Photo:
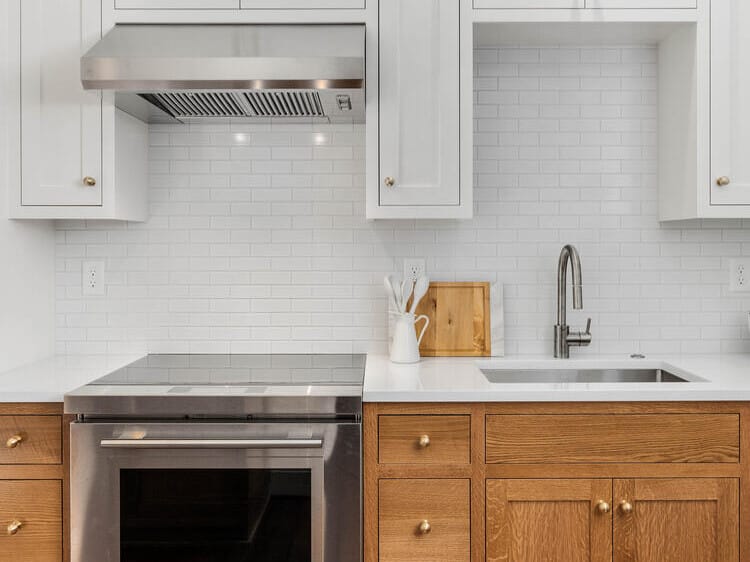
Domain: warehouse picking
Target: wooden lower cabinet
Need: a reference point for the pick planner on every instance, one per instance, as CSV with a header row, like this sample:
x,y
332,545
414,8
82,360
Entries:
x,y
424,519
557,482
529,519
676,520
31,515
34,502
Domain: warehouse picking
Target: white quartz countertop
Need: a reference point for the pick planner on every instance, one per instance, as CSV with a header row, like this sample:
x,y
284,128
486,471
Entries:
x,y
49,379
447,379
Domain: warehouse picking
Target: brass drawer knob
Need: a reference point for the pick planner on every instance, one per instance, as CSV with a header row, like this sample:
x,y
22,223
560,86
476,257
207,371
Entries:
x,y
389,181
603,507
14,526
723,181
88,181
14,441
424,527
424,441
626,506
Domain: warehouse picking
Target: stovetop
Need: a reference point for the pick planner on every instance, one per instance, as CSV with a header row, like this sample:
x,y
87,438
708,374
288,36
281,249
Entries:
x,y
192,385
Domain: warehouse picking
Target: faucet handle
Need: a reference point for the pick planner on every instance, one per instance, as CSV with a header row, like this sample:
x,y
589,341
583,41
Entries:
x,y
588,327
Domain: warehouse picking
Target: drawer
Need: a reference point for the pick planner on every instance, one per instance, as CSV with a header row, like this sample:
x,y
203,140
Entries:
x,y
424,439
641,4
37,506
424,519
30,440
613,438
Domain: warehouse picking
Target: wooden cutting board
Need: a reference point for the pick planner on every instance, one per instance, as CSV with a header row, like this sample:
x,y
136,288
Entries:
x,y
459,314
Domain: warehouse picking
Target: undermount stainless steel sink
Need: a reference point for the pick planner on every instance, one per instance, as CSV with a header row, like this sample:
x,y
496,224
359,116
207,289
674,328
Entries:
x,y
531,376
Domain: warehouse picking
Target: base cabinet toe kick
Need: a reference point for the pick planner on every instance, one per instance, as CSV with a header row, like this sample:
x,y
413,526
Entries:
x,y
512,482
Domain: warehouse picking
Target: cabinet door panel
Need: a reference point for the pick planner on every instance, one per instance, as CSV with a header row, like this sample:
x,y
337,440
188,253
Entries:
x,y
528,520
527,4
61,124
176,4
419,102
405,503
302,4
37,506
677,520
642,4
730,102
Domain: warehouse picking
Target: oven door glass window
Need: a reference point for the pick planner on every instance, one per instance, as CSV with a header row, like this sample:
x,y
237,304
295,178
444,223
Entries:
x,y
216,515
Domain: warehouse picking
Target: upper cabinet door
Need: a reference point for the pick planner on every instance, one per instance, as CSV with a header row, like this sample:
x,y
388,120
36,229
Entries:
x,y
419,102
303,4
527,4
61,124
730,103
676,519
642,4
177,4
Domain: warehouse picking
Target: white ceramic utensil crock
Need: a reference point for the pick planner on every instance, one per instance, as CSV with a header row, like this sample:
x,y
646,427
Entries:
x,y
405,345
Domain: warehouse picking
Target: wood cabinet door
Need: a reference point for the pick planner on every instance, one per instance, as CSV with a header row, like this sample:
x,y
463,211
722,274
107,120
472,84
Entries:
x,y
31,520
424,519
546,520
730,103
61,124
676,520
420,102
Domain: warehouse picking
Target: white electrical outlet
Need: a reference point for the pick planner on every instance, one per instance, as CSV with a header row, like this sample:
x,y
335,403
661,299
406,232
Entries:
x,y
739,275
413,268
92,278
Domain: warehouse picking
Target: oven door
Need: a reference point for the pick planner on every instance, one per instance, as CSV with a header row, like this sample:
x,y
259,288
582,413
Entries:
x,y
215,492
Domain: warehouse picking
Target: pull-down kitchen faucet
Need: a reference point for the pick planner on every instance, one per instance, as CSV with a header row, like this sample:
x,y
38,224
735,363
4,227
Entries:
x,y
564,338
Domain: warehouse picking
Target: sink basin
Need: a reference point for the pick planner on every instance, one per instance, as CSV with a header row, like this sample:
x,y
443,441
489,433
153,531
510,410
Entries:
x,y
531,376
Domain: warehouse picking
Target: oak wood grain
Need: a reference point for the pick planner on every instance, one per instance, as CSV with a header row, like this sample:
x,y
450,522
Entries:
x,y
405,503
449,439
613,438
677,520
459,314
42,439
37,505
543,520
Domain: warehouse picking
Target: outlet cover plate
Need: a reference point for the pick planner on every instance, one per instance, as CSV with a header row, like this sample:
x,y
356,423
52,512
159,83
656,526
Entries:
x,y
413,268
739,275
92,278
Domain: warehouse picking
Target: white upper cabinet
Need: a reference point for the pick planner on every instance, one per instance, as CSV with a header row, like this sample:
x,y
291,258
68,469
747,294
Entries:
x,y
527,4
730,103
641,4
303,4
177,4
61,124
420,104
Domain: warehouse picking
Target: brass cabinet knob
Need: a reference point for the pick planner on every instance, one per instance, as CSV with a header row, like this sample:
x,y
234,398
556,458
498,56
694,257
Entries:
x,y
14,441
14,526
424,441
626,506
603,507
424,527
723,181
389,181
89,181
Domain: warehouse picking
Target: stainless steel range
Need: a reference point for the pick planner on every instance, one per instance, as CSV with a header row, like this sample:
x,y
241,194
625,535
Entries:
x,y
219,458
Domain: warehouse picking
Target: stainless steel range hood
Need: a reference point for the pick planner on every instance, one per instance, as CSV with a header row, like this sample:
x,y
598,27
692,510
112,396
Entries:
x,y
167,73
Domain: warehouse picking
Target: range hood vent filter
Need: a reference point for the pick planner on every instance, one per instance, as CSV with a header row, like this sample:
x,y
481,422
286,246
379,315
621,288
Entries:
x,y
199,105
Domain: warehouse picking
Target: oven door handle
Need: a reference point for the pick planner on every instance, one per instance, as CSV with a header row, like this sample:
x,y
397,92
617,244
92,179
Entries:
x,y
211,443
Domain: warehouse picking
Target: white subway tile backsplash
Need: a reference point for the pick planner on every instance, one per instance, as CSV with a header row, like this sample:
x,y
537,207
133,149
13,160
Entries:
x,y
257,240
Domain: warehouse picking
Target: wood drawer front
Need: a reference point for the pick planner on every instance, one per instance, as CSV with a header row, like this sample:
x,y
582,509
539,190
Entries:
x,y
613,438
37,505
405,503
399,439
41,439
